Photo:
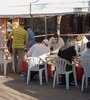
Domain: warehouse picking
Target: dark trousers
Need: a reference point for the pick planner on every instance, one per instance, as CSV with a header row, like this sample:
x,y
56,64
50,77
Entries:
x,y
63,79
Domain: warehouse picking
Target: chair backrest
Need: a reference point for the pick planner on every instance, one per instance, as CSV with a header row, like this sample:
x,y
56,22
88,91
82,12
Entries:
x,y
34,62
61,64
86,66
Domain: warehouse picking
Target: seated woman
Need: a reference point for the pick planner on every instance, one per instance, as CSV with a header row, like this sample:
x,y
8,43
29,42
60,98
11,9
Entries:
x,y
67,52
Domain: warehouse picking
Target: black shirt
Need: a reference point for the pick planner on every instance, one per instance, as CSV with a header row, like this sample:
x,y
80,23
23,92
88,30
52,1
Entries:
x,y
67,53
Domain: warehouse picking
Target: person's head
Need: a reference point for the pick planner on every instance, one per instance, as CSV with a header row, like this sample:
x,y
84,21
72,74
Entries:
x,y
79,38
38,40
27,26
21,24
70,42
88,45
46,42
55,35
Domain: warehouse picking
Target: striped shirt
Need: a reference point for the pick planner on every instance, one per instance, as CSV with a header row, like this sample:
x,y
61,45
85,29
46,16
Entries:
x,y
19,36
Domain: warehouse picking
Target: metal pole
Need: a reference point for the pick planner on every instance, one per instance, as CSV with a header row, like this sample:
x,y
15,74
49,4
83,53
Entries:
x,y
30,8
45,19
31,5
31,13
58,24
31,17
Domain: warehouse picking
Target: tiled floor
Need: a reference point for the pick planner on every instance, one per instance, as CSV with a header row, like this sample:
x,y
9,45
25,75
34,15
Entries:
x,y
13,87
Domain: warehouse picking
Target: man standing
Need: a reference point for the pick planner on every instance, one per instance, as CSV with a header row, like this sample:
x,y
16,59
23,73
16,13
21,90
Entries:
x,y
20,36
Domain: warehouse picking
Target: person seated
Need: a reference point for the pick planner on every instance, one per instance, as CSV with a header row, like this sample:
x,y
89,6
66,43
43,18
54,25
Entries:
x,y
81,42
85,55
56,42
37,50
72,42
86,52
67,52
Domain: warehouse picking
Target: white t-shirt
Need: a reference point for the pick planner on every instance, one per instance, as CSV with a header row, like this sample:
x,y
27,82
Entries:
x,y
85,55
82,43
56,45
37,50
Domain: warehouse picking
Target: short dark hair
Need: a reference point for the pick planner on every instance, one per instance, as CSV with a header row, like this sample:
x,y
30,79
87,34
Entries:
x,y
27,26
21,23
88,44
55,35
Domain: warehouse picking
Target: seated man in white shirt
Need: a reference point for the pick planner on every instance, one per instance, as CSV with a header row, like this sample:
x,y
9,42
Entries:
x,y
81,42
37,50
56,42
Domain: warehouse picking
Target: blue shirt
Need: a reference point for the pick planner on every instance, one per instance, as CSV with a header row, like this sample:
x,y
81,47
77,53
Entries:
x,y
31,37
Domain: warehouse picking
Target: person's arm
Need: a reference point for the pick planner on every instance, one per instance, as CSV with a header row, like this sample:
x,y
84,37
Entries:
x,y
74,52
59,53
61,42
51,42
30,51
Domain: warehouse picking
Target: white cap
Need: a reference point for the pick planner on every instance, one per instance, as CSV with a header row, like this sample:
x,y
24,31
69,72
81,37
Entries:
x,y
45,41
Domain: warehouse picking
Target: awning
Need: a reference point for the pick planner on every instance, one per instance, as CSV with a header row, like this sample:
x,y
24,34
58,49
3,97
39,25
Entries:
x,y
23,8
60,7
15,8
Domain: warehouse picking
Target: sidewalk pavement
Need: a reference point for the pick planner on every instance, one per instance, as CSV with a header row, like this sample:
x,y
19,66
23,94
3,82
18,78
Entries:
x,y
13,87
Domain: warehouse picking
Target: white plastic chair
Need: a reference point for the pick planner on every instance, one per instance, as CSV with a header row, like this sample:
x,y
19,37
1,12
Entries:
x,y
34,65
60,65
86,66
4,62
